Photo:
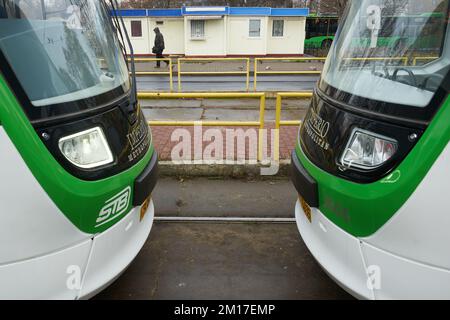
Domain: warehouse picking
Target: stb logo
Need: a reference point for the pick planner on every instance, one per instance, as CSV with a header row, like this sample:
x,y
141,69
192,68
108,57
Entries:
x,y
114,207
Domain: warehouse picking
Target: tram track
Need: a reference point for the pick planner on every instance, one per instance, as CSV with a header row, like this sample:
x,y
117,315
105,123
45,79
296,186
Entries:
x,y
242,220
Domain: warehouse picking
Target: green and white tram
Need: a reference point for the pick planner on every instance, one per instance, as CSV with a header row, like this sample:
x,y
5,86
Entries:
x,y
77,165
372,166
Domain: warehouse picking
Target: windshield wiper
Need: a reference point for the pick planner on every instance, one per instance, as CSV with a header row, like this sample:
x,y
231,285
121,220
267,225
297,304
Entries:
x,y
118,31
118,22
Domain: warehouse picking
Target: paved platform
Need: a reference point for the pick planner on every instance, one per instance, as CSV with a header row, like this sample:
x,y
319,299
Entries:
x,y
222,110
164,144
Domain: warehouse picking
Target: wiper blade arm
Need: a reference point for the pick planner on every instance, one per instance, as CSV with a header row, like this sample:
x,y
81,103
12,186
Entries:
x,y
119,21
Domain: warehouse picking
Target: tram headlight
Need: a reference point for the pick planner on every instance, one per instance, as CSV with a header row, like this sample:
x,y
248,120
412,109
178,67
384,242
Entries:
x,y
368,150
87,149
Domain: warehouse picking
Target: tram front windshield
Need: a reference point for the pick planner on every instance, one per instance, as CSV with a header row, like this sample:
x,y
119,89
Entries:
x,y
62,50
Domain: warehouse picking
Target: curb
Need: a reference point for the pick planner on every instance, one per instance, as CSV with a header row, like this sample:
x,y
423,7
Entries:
x,y
169,169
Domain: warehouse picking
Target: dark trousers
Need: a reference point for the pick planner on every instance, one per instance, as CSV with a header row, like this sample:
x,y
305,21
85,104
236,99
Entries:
x,y
159,55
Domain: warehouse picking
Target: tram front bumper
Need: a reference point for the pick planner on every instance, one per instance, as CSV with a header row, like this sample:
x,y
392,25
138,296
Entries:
x,y
84,269
337,252
113,250
363,270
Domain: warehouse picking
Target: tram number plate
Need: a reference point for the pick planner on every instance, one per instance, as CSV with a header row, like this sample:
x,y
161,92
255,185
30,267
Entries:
x,y
306,209
144,208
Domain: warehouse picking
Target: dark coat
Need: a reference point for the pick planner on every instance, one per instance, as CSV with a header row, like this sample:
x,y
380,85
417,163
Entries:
x,y
159,41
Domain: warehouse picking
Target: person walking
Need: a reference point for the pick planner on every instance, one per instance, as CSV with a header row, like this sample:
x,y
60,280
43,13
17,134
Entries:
x,y
159,47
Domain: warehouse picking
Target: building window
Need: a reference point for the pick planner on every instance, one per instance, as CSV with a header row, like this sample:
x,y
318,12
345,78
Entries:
x,y
197,29
278,28
255,28
136,28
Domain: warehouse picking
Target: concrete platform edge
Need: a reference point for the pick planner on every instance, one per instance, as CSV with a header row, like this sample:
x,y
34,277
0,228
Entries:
x,y
170,169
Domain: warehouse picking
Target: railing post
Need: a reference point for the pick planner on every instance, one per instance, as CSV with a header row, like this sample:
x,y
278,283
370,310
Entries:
x,y
179,74
171,74
262,116
277,127
248,74
255,75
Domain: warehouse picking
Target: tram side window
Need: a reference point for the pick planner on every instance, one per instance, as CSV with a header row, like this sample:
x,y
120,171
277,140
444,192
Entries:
x,y
334,24
48,10
388,27
4,11
312,28
318,27
432,33
30,10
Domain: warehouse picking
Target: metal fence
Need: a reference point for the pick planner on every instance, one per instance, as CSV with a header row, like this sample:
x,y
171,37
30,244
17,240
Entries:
x,y
286,66
211,95
159,71
206,66
230,67
424,60
261,67
279,122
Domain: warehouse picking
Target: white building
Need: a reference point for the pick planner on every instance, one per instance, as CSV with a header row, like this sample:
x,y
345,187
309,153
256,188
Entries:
x,y
219,31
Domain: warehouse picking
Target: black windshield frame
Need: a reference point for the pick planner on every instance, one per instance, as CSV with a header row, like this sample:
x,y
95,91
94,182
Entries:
x,y
390,112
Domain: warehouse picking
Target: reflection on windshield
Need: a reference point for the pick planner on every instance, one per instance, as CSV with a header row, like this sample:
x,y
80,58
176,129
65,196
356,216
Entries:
x,y
61,50
391,51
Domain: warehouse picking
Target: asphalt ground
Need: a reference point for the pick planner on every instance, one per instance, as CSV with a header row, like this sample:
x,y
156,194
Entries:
x,y
265,83
185,260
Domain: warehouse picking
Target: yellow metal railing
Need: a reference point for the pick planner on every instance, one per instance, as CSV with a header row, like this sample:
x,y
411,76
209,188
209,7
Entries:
x,y
245,72
231,95
258,72
279,122
423,59
157,71
405,60
210,95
